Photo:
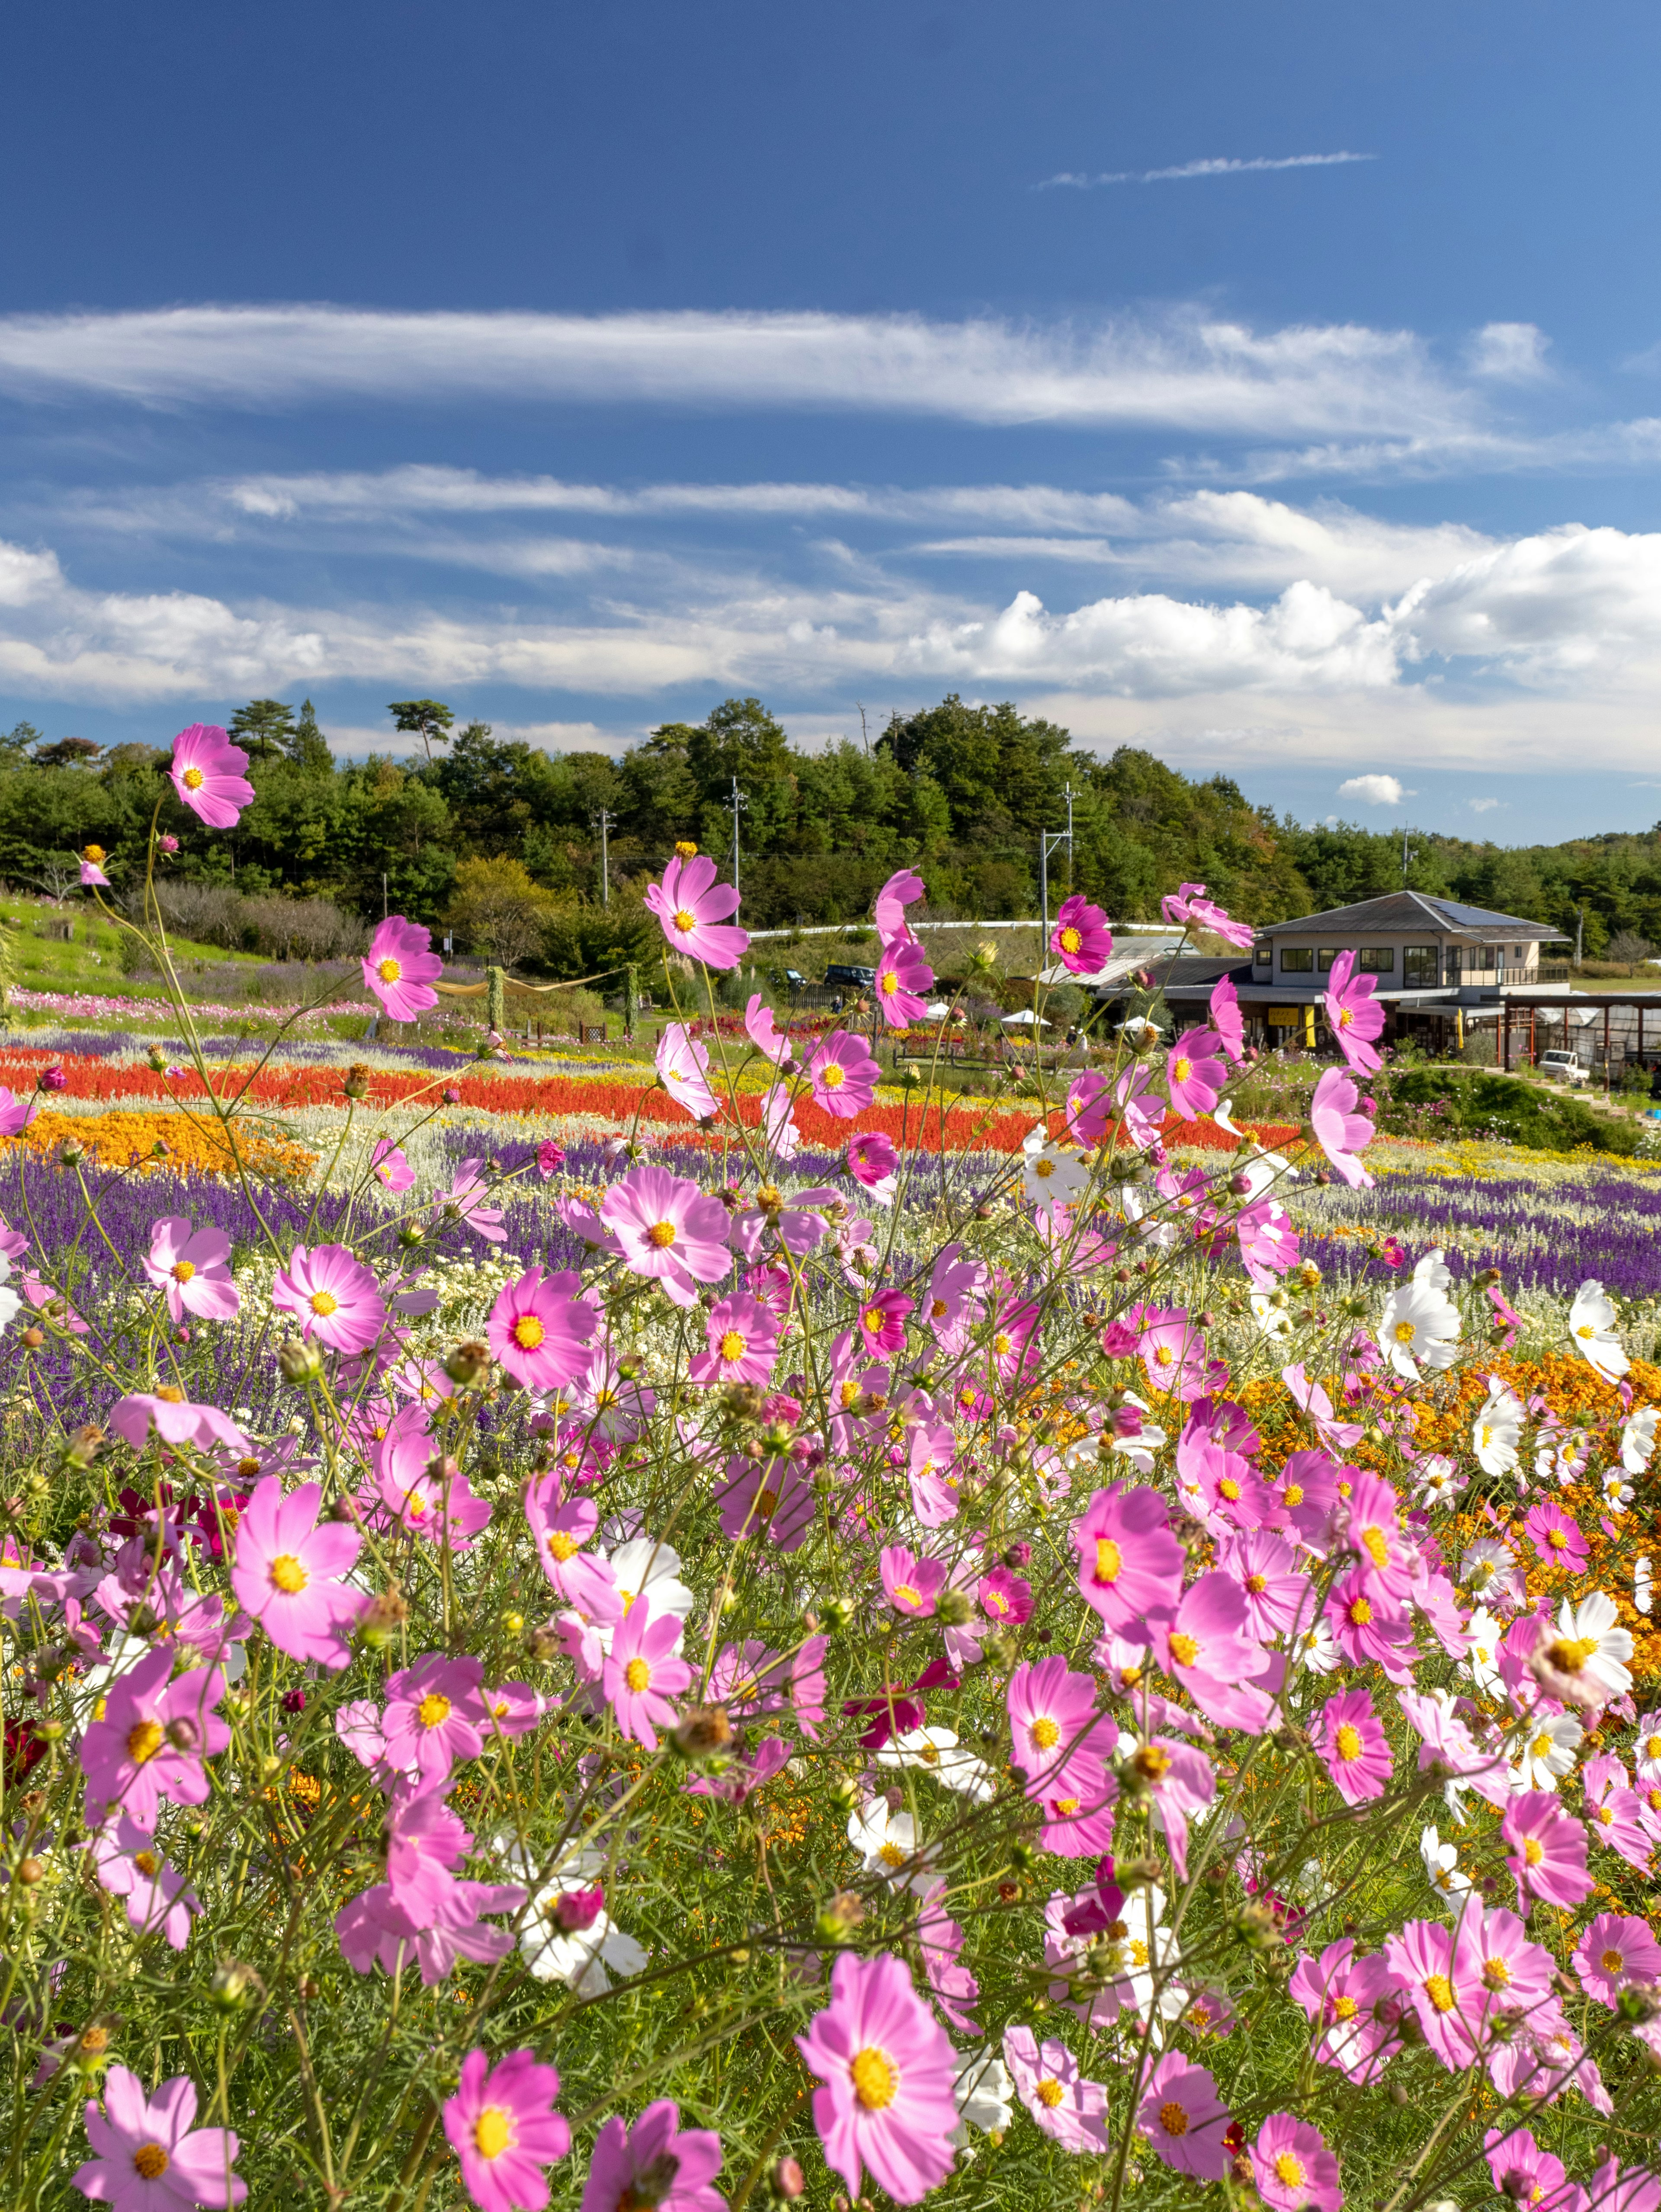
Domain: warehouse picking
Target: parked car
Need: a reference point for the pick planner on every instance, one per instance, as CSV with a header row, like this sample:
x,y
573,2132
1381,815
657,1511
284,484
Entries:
x,y
787,979
841,976
1562,1066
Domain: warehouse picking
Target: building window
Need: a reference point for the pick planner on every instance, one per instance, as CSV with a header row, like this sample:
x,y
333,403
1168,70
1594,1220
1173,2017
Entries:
x,y
1297,960
1328,954
1488,951
1377,960
1452,965
1262,952
1418,966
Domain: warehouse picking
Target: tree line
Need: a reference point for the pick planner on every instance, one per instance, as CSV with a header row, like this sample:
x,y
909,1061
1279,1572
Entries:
x,y
456,827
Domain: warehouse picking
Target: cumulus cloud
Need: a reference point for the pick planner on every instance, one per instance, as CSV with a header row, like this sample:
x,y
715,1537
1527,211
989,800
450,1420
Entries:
x,y
1511,352
1559,603
1374,790
1484,805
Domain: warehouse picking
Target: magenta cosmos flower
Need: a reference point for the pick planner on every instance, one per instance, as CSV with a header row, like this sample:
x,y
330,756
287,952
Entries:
x,y
207,774
1081,939
641,1670
1354,1747
401,967
156,1895
148,2156
390,1167
1340,1131
1057,1741
288,1572
1292,2167
1616,1949
912,1585
334,1296
92,869
1193,1074
902,888
1183,2119
15,1114
1422,1959
903,980
1226,1019
844,1075
539,1329
1130,1566
152,1740
1353,1015
764,1033
1546,1850
1071,2111
692,907
503,2127
887,2070
882,1321
189,1267
1189,904
656,2162
434,1715
668,1229
872,1159
1556,1538
743,1340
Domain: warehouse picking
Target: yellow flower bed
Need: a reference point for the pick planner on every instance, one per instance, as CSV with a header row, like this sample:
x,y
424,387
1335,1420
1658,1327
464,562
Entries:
x,y
127,1138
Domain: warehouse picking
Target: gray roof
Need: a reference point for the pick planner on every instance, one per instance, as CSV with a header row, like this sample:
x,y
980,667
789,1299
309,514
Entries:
x,y
1398,910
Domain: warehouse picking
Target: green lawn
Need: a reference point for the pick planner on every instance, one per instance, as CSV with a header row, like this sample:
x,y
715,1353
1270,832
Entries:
x,y
91,960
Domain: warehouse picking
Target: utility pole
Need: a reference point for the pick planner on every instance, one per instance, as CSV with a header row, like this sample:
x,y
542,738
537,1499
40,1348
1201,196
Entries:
x,y
1069,840
383,895
1048,840
605,858
738,801
1579,932
1407,854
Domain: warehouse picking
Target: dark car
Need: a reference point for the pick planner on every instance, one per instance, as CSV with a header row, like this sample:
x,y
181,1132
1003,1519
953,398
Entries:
x,y
787,979
839,977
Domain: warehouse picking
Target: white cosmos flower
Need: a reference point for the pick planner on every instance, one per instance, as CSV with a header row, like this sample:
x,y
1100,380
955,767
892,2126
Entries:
x,y
1646,1748
1592,1328
1497,1430
1481,1663
938,1750
1638,1439
1316,1649
1487,1565
1591,1644
1053,1175
1420,1325
1442,1868
645,1569
1643,1594
579,1957
983,2093
1615,1489
1438,1479
1274,1320
1547,1752
889,1845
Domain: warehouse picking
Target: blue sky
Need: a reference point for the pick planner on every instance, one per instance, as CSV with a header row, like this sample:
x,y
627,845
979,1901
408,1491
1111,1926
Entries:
x,y
582,366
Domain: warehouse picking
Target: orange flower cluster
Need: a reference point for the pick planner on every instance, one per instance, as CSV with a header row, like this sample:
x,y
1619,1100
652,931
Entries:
x,y
126,1139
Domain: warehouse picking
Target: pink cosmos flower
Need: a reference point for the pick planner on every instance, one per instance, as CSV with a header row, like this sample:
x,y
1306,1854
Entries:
x,y
692,909
1525,2174
1353,1015
550,1158
1081,939
1616,1949
642,1672
1056,1733
422,1486
764,1032
156,1895
175,1420
779,1124
1172,1348
434,1715
902,890
1183,2119
669,1230
1354,1747
401,967
743,1343
424,1840
1269,1242
844,1075
1130,1566
1615,1812
1193,1074
1088,1109
1421,1957
540,1329
188,1266
15,1114
1181,1780
1005,1598
1546,1850
1292,2167
1206,1645
152,1740
912,1585
903,978
1497,1973
1353,2002
1070,2111
1189,904
1555,1538
92,871
886,2071
288,1572
372,1927
1226,1019
388,1165
467,1201
147,2155
334,1296
1366,1625
1142,1110
502,2126
771,1497
873,1161
1340,1131
207,774
882,1321
654,2163
683,1066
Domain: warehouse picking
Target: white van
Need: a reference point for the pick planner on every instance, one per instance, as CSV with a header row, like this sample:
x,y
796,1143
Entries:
x,y
1562,1066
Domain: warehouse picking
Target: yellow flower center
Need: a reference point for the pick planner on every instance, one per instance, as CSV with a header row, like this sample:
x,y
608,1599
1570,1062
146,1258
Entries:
x,y
1164,1356
683,921
638,1675
1185,1648
1048,2093
1294,1493
147,1863
1153,1762
1046,1733
875,2077
1557,1540
1541,1748
144,1740
1230,1489
182,1270
1373,1544
529,1332
888,984
1533,1850
389,971
1439,1990
493,2132
906,1592
661,1234
1256,1584
1405,1332
1173,2119
323,1303
1344,1021
562,1544
873,1318
1183,1070
1343,2008
1571,1654
434,1708
733,1346
1496,1973
193,780
1288,2170
1612,1962
1110,1561
170,1393
1586,1332
287,1575
95,854
1359,1613
1071,940
1348,1742
891,1855
833,1075
149,2160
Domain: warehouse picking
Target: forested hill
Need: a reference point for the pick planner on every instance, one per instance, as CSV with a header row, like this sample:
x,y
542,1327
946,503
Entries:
x,y
959,791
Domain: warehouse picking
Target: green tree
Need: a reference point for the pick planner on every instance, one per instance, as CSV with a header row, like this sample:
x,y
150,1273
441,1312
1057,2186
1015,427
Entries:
x,y
307,747
264,728
429,720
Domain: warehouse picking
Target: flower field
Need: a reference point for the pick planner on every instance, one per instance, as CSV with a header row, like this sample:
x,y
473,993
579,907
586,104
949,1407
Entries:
x,y
743,1640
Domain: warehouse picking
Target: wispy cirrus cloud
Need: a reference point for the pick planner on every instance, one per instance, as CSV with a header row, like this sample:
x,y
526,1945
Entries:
x,y
1214,166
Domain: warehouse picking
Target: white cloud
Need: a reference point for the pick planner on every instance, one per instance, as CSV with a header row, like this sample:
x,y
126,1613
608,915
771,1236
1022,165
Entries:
x,y
1214,166
1511,352
1485,806
1374,790
1184,371
1572,602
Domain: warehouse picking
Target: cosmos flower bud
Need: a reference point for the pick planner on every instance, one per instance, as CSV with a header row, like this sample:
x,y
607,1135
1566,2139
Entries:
x,y
231,1985
576,1910
703,1732
838,1917
51,1079
299,1360
954,1607
468,1363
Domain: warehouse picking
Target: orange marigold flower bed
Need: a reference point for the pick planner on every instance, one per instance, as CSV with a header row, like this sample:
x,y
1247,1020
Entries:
x,y
123,1139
